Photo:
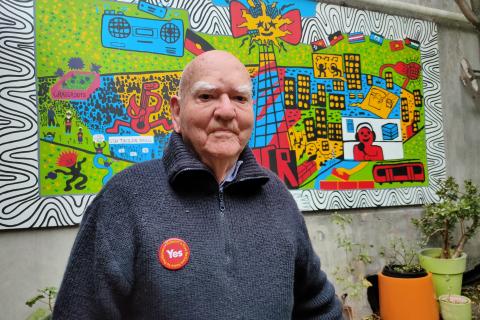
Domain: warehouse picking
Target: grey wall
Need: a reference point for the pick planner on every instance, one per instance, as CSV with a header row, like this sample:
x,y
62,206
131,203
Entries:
x,y
35,259
30,260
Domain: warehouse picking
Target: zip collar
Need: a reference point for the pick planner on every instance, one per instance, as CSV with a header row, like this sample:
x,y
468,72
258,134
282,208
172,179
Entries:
x,y
186,172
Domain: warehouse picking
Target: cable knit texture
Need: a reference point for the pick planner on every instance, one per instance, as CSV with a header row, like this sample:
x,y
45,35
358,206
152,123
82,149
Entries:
x,y
251,257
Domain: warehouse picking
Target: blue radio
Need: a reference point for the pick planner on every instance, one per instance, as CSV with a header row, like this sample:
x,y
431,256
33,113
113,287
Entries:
x,y
139,34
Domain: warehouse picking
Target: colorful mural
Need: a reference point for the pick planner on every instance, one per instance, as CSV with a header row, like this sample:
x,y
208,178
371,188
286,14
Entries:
x,y
340,103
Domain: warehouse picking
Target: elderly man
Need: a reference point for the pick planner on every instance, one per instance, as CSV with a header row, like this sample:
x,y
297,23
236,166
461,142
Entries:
x,y
204,233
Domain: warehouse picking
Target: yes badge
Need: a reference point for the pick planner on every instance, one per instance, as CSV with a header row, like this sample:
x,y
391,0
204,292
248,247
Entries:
x,y
174,254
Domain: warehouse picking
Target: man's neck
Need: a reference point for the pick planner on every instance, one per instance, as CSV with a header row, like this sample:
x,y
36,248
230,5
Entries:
x,y
220,167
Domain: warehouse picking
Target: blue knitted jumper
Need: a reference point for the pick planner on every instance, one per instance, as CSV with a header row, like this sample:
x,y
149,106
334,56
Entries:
x,y
250,254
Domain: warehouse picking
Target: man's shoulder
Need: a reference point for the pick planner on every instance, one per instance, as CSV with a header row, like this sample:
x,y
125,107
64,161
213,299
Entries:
x,y
142,173
130,185
275,181
277,192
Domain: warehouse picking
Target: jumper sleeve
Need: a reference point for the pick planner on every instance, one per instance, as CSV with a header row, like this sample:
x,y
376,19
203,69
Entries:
x,y
314,294
99,274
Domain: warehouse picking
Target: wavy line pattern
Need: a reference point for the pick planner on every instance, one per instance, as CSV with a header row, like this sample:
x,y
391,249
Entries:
x,y
20,203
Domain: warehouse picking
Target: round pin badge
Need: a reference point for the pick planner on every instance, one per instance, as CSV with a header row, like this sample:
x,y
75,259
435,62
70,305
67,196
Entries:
x,y
174,254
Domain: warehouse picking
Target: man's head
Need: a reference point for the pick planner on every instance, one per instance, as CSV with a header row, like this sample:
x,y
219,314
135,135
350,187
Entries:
x,y
213,111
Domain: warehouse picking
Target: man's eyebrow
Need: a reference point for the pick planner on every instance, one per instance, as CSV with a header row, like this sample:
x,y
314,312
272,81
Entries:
x,y
206,86
203,85
244,89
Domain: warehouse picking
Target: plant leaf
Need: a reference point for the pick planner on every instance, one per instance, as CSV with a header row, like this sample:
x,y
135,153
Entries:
x,y
34,300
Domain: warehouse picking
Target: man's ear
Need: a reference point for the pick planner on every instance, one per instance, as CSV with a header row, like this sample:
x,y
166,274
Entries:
x,y
175,111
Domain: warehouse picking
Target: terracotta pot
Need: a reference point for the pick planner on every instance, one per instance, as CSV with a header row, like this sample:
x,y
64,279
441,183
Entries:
x,y
407,298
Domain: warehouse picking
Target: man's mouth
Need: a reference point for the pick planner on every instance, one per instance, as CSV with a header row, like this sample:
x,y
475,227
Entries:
x,y
223,130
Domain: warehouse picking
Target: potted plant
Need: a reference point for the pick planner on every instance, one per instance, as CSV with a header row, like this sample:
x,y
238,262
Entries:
x,y
457,210
405,288
46,296
455,307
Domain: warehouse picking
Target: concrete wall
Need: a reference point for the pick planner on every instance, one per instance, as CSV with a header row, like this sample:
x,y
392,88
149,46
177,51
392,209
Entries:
x,y
36,259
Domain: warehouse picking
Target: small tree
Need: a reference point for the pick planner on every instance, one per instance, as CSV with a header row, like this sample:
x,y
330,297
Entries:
x,y
471,11
401,256
456,209
351,276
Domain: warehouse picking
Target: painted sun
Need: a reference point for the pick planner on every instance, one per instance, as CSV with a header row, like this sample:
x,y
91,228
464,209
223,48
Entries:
x,y
268,28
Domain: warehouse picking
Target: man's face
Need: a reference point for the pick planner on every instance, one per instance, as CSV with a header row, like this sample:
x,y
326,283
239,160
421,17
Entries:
x,y
214,114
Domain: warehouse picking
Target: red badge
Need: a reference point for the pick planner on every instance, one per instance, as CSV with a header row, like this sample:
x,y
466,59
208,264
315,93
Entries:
x,y
174,253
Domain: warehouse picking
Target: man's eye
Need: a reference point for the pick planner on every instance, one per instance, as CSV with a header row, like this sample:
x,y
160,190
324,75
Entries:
x,y
205,96
241,98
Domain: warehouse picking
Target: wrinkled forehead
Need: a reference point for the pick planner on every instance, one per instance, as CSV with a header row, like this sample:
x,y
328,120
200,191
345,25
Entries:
x,y
215,69
227,67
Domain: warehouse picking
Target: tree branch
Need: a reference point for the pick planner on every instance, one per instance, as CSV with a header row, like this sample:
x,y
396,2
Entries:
x,y
468,13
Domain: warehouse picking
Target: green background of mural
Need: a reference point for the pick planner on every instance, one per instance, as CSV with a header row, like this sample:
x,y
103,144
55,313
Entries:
x,y
73,29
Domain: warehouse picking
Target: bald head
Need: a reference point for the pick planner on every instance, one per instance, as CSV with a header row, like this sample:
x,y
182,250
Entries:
x,y
205,62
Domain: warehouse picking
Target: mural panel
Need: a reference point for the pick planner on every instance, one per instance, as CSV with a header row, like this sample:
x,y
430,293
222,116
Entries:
x,y
346,101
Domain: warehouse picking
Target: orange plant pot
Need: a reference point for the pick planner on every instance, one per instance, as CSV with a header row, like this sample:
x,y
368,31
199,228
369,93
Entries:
x,y
407,298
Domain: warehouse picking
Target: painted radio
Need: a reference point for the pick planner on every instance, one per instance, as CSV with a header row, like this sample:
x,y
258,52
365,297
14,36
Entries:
x,y
140,34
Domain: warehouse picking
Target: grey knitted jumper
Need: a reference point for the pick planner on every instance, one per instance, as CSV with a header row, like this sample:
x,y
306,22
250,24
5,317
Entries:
x,y
250,254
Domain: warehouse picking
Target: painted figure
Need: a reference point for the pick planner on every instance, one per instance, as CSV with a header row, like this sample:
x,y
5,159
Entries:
x,y
68,121
101,161
335,70
51,117
99,146
322,68
68,160
80,135
140,114
365,150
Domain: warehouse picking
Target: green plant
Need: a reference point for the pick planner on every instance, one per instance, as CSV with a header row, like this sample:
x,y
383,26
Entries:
x,y
45,296
351,276
456,209
401,256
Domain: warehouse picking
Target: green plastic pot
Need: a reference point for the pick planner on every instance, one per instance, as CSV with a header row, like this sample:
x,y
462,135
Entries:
x,y
455,307
446,273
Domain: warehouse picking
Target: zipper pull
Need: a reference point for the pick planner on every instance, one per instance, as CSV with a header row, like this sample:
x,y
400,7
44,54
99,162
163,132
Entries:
x,y
222,202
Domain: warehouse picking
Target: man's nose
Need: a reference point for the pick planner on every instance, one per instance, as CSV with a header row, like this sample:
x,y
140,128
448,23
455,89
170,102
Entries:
x,y
225,108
